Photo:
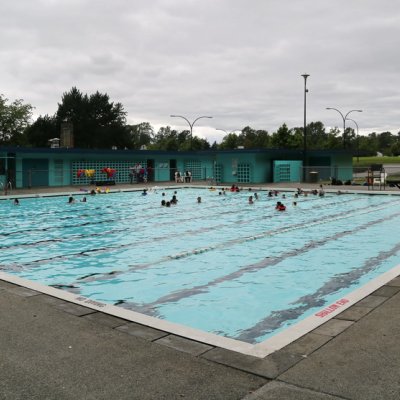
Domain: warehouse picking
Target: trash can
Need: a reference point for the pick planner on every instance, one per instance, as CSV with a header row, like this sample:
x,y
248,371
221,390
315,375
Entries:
x,y
313,176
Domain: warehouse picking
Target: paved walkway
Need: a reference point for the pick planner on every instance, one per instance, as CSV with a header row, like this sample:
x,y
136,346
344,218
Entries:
x,y
52,349
289,185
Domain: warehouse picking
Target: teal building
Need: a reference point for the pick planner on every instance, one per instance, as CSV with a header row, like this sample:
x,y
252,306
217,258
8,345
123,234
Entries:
x,y
46,167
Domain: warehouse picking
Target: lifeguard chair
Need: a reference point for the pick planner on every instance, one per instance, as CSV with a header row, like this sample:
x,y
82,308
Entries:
x,y
376,176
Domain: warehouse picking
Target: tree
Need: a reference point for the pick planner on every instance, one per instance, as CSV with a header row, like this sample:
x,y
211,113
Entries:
x,y
97,122
14,118
247,137
297,138
262,139
165,139
316,136
395,149
200,144
385,142
230,141
141,135
333,139
41,131
282,138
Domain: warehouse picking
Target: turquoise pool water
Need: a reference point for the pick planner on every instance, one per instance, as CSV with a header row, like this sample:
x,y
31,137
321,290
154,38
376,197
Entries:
x,y
222,266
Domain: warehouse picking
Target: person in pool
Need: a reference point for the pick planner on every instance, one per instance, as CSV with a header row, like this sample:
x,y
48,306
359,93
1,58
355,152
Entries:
x,y
174,200
280,206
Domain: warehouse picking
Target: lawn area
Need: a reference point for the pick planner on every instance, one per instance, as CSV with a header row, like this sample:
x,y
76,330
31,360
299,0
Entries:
x,y
367,161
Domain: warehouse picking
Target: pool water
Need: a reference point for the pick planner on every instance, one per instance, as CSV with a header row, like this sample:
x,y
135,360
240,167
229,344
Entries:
x,y
222,266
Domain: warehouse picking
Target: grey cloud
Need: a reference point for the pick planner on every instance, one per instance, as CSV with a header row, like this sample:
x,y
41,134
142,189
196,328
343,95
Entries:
x,y
236,60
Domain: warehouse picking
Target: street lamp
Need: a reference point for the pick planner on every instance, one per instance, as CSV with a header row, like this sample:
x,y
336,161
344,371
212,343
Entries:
x,y
305,76
358,140
191,126
344,117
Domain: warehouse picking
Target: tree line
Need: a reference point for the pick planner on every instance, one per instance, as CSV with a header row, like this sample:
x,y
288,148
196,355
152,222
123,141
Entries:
x,y
99,123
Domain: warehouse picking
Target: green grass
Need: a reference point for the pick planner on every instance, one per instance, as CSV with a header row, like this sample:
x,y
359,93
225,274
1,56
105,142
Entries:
x,y
367,161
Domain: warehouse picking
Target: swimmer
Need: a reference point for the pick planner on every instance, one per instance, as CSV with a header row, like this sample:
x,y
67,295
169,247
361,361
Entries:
x,y
16,202
163,203
256,196
251,200
199,200
167,204
71,200
174,200
294,203
83,199
280,206
144,193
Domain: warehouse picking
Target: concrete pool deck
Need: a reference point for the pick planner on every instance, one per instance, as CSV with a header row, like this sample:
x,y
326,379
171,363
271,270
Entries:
x,y
52,349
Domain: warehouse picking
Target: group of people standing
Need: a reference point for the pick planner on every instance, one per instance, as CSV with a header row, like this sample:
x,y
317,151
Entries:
x,y
140,174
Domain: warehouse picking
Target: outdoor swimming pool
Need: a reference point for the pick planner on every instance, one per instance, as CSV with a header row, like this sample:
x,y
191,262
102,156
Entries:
x,y
226,267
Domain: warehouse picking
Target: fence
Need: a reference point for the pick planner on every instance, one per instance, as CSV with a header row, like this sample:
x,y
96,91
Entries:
x,y
348,176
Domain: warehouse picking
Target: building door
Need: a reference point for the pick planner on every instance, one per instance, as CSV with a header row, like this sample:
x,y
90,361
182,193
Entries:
x,y
172,169
150,170
35,172
11,169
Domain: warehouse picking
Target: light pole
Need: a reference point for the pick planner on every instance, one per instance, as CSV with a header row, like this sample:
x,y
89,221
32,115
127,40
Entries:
x,y
305,76
358,139
344,117
191,126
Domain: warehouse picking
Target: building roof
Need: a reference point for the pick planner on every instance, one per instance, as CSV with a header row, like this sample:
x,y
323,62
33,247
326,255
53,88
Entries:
x,y
148,153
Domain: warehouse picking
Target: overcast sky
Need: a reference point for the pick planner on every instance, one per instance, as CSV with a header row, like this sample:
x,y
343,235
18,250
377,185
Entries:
x,y
239,61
